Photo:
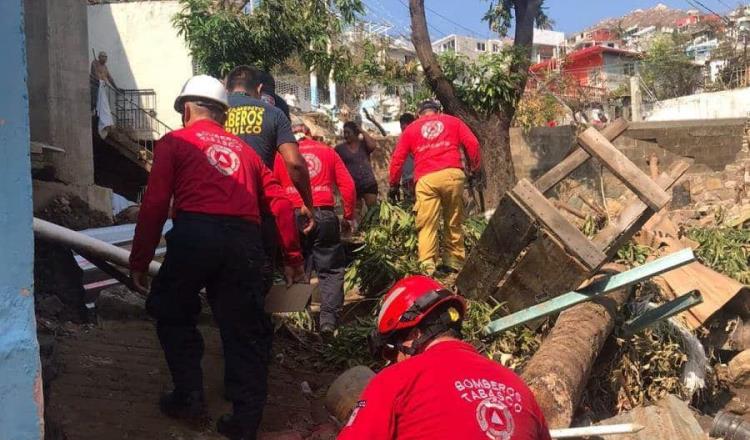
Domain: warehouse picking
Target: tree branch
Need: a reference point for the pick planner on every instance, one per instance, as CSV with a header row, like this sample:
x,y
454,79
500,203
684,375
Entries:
x,y
432,71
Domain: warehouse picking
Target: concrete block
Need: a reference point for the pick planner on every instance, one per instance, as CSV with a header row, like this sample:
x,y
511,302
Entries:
x,y
739,369
96,197
713,183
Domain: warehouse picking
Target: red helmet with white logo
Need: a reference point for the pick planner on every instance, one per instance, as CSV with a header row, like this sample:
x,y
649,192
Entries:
x,y
408,302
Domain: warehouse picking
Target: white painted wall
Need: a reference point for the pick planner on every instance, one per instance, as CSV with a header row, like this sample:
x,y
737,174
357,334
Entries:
x,y
728,104
144,49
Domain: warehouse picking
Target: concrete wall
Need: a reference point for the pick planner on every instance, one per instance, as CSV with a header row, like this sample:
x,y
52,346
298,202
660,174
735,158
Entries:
x,y
539,149
59,85
21,400
718,149
144,49
59,96
727,104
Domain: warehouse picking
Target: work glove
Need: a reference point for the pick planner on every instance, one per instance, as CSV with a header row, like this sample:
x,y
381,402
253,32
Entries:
x,y
394,193
476,179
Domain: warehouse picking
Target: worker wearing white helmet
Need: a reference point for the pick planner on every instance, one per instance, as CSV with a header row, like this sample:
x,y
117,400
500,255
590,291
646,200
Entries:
x,y
215,185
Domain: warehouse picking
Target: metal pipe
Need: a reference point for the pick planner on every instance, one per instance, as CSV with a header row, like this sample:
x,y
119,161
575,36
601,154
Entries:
x,y
585,431
86,245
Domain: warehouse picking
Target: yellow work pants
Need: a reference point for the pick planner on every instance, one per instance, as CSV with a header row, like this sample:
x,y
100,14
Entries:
x,y
435,192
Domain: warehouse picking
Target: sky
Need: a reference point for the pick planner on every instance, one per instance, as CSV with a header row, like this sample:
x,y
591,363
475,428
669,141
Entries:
x,y
465,16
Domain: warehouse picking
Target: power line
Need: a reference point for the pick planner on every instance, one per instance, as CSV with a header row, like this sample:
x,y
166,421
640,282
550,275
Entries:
x,y
428,23
690,2
452,22
725,5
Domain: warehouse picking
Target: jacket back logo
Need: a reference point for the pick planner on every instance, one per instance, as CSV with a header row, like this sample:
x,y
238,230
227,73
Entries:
x,y
224,159
432,129
495,419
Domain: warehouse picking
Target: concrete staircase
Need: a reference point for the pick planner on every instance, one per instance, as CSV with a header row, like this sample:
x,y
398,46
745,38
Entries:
x,y
136,127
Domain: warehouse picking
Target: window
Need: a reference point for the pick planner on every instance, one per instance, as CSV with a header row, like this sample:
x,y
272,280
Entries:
x,y
481,47
495,48
628,69
448,45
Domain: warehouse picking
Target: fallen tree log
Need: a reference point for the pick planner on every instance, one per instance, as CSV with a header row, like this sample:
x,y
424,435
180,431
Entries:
x,y
559,371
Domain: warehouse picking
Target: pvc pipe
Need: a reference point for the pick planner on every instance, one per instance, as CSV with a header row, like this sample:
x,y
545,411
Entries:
x,y
86,245
625,428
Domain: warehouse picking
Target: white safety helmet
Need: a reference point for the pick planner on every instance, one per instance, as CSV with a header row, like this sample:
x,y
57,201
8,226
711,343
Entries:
x,y
202,87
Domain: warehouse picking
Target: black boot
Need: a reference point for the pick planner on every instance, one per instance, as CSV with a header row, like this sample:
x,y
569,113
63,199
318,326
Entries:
x,y
186,406
231,428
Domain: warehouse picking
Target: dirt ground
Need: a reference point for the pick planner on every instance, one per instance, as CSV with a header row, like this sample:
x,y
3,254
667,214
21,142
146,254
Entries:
x,y
111,377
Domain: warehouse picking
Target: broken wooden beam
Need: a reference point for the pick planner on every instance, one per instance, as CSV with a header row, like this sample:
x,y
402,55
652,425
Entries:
x,y
509,231
577,158
571,238
613,236
630,175
593,290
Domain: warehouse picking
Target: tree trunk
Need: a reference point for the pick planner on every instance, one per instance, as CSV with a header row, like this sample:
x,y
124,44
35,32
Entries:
x,y
559,371
494,138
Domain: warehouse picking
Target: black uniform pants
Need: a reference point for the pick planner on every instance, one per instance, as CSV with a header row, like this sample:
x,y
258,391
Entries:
x,y
270,239
224,255
324,254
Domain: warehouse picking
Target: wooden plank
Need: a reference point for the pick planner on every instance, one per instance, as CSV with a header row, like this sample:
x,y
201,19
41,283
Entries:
x,y
295,298
634,216
528,285
510,230
572,239
577,158
632,176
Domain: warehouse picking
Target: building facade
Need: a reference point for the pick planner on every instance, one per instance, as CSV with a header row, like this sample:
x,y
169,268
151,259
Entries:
x,y
144,50
547,44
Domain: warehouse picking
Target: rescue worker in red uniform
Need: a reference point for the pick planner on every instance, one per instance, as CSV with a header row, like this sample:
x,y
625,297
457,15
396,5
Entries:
x,y
435,141
322,247
217,185
440,388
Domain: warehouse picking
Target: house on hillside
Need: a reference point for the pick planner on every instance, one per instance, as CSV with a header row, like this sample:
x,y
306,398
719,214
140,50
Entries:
x,y
470,47
595,70
601,36
547,44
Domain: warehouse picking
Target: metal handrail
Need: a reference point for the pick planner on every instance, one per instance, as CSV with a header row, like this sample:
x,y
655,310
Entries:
x,y
154,125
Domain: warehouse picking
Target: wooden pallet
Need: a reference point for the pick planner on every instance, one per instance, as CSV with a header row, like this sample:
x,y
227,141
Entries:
x,y
530,252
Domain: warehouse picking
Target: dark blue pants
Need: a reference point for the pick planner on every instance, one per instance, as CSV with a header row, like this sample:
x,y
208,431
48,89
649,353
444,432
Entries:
x,y
225,256
324,254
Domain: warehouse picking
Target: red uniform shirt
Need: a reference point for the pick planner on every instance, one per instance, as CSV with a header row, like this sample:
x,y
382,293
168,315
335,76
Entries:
x,y
434,142
207,170
326,169
449,392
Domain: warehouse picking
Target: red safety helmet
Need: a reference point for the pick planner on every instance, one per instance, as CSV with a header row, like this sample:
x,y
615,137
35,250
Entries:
x,y
406,304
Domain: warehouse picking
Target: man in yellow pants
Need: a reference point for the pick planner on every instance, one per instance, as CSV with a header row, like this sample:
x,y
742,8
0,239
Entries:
x,y
435,141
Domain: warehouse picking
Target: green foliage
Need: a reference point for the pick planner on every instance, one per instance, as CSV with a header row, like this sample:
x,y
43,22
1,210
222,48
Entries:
x,y
486,84
222,36
500,17
349,348
512,348
632,254
536,110
412,100
725,250
364,63
389,251
667,70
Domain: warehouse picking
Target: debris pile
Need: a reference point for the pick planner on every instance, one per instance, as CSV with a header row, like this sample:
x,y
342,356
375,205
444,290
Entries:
x,y
652,353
